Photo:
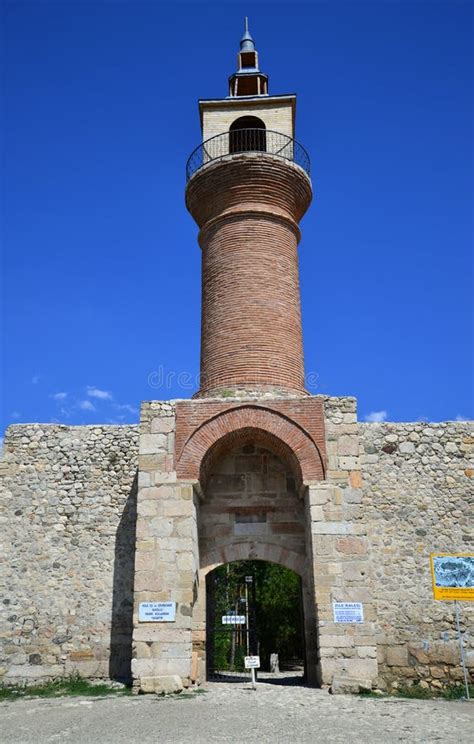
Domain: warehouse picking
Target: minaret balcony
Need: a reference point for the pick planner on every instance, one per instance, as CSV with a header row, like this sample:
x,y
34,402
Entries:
x,y
251,141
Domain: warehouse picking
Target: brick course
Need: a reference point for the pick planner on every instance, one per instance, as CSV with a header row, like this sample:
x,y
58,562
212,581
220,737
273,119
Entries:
x,y
248,207
292,428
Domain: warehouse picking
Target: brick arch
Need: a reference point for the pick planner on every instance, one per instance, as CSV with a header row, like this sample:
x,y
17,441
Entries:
x,y
253,550
236,427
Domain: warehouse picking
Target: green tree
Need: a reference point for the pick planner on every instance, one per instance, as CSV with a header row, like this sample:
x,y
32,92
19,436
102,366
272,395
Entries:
x,y
276,602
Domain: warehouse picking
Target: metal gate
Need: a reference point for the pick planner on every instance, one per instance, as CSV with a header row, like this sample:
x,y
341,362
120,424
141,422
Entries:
x,y
231,623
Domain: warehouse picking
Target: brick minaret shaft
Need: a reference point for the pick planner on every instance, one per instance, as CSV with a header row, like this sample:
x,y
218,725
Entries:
x,y
248,206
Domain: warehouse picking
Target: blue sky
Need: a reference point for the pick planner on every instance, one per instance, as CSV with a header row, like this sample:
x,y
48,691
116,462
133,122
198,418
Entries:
x,y
101,303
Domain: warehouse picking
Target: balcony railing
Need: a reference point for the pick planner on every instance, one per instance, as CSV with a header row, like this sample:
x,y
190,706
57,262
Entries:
x,y
247,140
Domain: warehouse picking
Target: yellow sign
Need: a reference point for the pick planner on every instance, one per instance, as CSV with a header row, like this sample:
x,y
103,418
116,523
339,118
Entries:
x,y
453,576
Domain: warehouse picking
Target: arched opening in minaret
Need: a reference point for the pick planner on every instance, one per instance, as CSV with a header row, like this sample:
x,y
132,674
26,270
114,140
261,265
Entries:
x,y
247,134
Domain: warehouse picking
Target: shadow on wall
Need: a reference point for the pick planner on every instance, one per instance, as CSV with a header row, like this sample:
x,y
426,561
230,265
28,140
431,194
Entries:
x,y
122,599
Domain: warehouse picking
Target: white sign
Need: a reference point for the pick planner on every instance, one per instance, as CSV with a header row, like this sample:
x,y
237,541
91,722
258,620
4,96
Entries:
x,y
348,612
252,662
157,612
233,619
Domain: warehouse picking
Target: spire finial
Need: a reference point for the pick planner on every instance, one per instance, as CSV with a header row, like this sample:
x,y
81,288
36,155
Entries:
x,y
247,43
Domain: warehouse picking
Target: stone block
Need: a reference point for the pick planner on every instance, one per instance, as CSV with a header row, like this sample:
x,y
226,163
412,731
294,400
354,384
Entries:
x,y
142,651
335,641
445,652
160,633
356,570
317,514
319,496
352,495
338,476
87,669
355,479
160,477
151,492
149,581
160,527
179,508
348,463
329,528
162,425
419,653
366,652
343,685
181,667
150,463
396,656
151,444
175,650
148,508
350,545
348,445
144,479
358,668
27,672
143,668
161,685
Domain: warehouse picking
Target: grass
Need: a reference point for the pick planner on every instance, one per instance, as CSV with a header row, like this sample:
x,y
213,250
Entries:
x,y
73,685
416,692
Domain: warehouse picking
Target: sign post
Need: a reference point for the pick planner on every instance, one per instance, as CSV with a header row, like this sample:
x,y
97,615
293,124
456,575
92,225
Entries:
x,y
461,648
252,663
452,576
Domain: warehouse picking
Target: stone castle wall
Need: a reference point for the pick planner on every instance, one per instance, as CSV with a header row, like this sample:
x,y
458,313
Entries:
x,y
67,541
69,528
417,499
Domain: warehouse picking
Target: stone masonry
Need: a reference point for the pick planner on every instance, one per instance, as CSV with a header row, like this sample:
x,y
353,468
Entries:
x,y
67,518
391,494
418,489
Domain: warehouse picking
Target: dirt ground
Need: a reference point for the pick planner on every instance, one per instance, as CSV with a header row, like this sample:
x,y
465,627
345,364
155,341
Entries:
x,y
277,711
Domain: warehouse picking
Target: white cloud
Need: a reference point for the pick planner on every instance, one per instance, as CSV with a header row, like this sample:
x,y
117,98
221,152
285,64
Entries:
x,y
126,407
459,417
59,396
94,392
86,405
376,417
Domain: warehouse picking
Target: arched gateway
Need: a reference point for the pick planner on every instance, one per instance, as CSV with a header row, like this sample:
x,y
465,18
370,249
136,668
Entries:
x,y
253,468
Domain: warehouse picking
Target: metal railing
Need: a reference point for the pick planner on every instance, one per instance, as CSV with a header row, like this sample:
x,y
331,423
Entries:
x,y
247,140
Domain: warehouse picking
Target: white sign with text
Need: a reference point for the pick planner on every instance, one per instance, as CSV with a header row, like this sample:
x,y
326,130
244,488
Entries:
x,y
233,619
157,612
348,612
252,662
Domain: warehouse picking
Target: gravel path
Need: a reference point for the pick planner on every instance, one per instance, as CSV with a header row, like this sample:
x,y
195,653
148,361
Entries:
x,y
235,713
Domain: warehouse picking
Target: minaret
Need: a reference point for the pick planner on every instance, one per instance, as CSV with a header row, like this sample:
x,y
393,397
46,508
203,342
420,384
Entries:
x,y
248,188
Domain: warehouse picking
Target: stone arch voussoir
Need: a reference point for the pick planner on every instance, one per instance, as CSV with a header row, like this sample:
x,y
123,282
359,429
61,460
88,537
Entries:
x,y
253,550
236,427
